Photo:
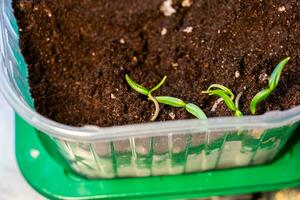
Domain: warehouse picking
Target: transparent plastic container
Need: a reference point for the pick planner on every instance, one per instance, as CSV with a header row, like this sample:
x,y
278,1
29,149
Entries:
x,y
159,148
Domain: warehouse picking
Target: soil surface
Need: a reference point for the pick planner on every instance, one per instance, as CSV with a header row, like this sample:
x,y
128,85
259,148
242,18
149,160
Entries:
x,y
78,53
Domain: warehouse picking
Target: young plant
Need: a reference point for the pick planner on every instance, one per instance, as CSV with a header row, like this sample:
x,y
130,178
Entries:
x,y
142,90
272,84
171,101
227,96
175,102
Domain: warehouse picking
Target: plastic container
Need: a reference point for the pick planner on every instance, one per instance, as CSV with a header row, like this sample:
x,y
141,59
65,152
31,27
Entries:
x,y
38,162
160,148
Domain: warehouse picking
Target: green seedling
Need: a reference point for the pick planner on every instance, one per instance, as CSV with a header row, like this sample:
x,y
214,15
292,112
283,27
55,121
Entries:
x,y
142,90
171,101
272,84
175,102
227,96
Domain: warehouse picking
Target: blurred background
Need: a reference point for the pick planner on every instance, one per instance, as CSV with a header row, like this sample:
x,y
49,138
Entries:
x,y
12,184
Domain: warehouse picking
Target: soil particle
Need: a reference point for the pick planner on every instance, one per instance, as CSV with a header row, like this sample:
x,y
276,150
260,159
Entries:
x,y
163,31
186,3
172,115
237,74
281,9
167,9
78,53
188,29
122,41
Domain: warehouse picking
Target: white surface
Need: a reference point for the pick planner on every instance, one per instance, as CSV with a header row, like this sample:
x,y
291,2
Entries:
x,y
12,184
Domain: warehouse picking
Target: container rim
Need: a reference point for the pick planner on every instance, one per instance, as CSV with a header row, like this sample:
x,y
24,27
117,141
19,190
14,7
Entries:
x,y
88,133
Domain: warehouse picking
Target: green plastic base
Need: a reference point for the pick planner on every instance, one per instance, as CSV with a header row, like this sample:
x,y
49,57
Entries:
x,y
49,177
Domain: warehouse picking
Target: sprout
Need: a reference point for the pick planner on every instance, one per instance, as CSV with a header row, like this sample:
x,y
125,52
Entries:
x,y
171,101
142,90
227,96
175,102
273,82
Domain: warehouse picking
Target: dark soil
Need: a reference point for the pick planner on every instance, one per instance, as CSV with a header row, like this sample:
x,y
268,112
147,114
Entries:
x,y
79,51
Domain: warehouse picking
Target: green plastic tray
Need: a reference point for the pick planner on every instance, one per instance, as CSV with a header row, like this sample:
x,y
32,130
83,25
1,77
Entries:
x,y
46,173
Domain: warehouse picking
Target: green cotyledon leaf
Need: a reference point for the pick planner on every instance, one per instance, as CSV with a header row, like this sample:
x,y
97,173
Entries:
x,y
195,110
259,97
171,101
228,101
225,89
275,76
137,87
159,84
